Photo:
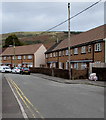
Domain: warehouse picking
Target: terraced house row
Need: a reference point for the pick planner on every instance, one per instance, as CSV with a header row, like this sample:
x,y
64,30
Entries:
x,y
28,55
85,48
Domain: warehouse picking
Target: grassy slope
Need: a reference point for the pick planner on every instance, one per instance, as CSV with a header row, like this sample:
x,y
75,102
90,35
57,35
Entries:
x,y
37,37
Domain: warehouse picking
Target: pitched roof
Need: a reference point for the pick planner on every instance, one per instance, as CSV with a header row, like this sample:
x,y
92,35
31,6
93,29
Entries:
x,y
20,50
89,36
53,46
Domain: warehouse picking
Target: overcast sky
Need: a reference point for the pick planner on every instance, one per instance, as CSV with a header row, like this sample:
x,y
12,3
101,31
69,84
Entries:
x,y
39,16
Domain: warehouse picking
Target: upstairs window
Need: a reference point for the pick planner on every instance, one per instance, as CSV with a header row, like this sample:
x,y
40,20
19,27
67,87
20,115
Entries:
x,y
19,57
50,54
54,55
29,57
59,53
83,49
4,58
75,51
98,47
8,57
67,52
63,52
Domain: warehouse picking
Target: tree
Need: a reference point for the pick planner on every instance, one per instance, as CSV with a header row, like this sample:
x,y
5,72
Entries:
x,y
9,41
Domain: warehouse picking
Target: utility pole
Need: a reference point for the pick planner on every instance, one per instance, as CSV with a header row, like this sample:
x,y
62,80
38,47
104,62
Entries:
x,y
14,52
69,56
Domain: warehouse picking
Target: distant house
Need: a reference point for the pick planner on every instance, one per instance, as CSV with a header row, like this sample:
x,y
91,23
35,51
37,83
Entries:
x,y
28,55
87,47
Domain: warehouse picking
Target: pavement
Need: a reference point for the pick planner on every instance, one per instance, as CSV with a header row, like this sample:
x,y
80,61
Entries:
x,y
10,106
66,81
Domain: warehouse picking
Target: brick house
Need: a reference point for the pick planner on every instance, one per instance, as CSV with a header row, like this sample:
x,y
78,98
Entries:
x,y
28,55
87,47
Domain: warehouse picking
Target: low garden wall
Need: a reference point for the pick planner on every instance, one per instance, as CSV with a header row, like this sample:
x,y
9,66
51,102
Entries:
x,y
76,74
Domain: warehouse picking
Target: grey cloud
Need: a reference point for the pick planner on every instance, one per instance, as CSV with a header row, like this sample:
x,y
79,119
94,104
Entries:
x,y
28,16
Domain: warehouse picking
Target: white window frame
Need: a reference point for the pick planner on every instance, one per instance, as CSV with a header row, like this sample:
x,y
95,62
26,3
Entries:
x,y
60,65
98,47
75,51
4,58
56,54
19,57
60,53
50,54
29,57
63,52
75,65
83,49
83,66
67,52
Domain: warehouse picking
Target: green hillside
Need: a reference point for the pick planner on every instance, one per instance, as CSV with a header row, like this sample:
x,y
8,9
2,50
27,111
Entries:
x,y
38,37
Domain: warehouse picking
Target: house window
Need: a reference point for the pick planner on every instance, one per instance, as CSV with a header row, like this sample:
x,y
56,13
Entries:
x,y
56,54
89,48
75,65
8,57
50,54
24,57
63,52
75,51
98,47
19,57
67,52
59,53
29,57
60,65
83,49
4,58
83,66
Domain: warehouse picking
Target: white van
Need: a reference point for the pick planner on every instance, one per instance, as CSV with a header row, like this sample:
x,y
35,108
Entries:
x,y
5,69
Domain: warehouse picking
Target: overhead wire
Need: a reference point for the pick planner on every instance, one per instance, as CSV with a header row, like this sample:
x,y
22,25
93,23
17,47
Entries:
x,y
72,16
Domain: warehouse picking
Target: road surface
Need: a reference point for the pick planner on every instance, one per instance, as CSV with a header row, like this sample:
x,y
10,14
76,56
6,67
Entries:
x,y
42,98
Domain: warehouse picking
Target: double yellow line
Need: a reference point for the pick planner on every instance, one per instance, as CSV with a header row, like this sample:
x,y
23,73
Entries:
x,y
25,100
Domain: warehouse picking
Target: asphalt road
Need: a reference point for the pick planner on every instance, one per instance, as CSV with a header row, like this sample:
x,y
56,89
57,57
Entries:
x,y
47,99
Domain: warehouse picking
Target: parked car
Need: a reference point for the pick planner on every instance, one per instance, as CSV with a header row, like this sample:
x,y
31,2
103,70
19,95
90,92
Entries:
x,y
25,70
16,70
4,69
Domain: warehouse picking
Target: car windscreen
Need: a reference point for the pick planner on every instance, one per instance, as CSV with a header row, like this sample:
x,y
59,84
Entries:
x,y
26,68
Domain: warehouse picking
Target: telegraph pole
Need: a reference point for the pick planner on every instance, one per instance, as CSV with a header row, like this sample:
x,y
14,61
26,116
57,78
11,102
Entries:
x,y
69,56
14,52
